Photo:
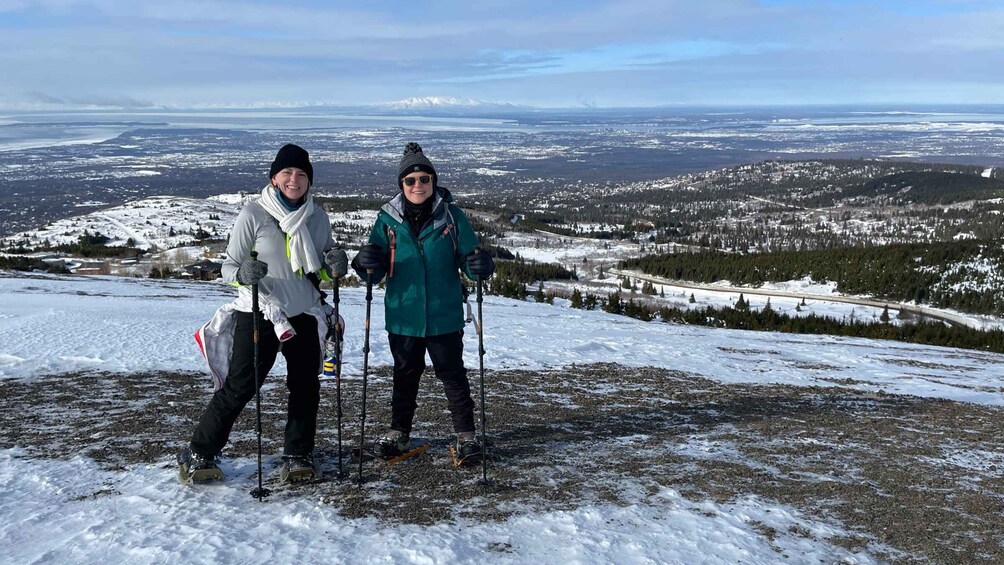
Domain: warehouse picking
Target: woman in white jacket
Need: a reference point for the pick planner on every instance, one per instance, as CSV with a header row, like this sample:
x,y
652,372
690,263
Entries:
x,y
292,237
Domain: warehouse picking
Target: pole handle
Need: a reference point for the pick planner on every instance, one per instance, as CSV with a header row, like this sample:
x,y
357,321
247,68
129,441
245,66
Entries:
x,y
476,251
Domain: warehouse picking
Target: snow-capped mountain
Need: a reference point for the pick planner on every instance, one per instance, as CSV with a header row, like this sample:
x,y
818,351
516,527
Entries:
x,y
416,102
447,104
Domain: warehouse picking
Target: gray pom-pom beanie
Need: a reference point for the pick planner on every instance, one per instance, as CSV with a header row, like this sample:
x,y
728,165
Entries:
x,y
415,160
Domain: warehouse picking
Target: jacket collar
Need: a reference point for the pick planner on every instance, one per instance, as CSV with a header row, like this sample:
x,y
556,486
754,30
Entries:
x,y
395,208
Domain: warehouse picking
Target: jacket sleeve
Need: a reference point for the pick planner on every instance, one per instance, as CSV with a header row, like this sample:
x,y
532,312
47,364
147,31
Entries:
x,y
467,240
379,237
323,271
242,240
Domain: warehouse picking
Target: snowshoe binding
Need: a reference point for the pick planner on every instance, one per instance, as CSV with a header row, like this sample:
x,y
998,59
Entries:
x,y
297,469
194,468
466,450
392,444
393,447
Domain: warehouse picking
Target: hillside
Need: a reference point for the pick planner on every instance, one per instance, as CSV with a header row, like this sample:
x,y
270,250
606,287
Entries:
x,y
963,275
170,233
778,205
613,438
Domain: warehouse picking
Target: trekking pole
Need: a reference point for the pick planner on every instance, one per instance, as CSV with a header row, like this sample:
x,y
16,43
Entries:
x,y
481,361
338,378
260,493
366,364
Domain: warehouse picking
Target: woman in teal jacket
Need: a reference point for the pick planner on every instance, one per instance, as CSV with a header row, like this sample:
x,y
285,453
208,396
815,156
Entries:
x,y
420,241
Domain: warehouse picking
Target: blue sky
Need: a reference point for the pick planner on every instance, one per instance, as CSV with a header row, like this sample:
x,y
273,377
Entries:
x,y
188,53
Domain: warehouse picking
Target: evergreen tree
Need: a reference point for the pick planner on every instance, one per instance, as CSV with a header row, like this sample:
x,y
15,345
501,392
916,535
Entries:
x,y
613,304
539,294
576,299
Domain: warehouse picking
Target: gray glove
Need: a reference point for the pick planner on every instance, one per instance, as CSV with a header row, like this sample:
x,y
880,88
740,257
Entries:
x,y
337,262
252,271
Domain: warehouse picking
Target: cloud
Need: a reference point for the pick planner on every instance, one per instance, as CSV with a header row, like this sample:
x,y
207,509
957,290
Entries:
x,y
140,53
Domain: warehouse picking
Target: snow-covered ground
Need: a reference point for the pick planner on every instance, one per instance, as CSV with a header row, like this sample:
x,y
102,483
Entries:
x,y
74,512
167,225
56,324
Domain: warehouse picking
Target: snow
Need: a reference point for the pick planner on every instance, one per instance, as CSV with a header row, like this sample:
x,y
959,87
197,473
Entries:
x,y
156,222
73,511
156,522
426,102
147,325
491,172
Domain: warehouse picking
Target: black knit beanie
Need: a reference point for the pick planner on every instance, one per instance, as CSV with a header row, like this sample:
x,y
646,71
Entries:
x,y
414,160
292,156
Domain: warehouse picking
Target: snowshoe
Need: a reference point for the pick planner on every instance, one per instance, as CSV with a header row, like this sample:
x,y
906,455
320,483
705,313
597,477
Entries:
x,y
466,450
297,469
414,447
392,444
194,468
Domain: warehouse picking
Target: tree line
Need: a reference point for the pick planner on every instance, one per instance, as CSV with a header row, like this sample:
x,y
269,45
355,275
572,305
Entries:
x,y
769,319
961,275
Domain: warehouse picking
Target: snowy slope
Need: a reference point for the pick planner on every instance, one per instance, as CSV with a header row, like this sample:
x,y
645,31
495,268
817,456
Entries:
x,y
70,511
158,319
157,222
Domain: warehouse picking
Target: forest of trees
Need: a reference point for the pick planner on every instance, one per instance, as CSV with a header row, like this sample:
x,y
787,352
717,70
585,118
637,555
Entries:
x,y
961,275
767,319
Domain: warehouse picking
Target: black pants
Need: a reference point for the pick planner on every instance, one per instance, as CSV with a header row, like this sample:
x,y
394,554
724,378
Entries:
x,y
447,354
303,357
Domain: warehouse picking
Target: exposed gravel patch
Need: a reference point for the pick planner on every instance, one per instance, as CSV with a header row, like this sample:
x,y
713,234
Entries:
x,y
912,480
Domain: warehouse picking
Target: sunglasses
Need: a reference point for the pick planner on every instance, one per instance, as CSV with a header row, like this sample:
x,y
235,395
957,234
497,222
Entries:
x,y
410,181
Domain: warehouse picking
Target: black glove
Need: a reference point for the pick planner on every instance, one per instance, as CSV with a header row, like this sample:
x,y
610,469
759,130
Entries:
x,y
337,262
480,264
252,271
370,257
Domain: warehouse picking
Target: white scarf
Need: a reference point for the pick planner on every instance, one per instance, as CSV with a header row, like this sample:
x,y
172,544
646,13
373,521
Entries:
x,y
302,253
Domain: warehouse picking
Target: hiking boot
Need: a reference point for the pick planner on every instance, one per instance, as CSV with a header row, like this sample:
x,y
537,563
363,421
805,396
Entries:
x,y
392,444
467,447
297,469
195,468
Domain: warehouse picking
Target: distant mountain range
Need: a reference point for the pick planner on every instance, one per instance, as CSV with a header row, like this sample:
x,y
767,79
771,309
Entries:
x,y
417,103
447,105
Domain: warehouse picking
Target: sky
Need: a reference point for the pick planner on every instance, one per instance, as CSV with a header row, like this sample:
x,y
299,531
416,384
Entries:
x,y
593,53
52,513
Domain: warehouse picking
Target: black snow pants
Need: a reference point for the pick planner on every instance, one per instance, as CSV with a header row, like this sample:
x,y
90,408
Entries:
x,y
303,357
447,354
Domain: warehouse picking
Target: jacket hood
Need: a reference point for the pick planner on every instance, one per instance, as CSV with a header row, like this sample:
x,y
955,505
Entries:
x,y
395,207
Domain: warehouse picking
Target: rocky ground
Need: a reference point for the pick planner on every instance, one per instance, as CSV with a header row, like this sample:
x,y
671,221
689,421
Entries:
x,y
912,480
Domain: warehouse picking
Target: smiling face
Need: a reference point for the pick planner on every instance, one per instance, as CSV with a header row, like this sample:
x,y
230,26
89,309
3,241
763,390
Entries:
x,y
420,188
292,182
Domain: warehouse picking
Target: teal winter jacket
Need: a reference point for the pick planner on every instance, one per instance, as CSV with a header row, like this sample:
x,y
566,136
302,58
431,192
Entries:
x,y
424,293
